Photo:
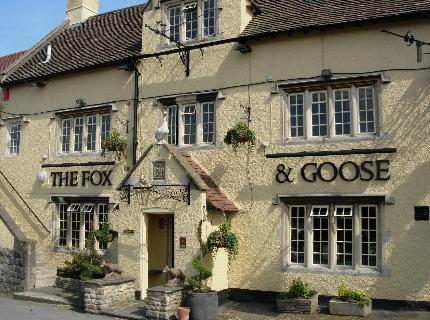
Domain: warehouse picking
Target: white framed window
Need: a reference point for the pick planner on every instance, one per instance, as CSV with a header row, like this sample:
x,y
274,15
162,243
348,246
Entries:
x,y
191,124
76,220
319,113
333,237
191,20
331,112
13,139
84,133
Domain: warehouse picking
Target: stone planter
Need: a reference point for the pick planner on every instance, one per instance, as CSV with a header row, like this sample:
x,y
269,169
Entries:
x,y
349,308
162,302
299,305
103,294
203,305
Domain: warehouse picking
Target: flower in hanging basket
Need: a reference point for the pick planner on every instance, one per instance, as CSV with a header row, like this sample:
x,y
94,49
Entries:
x,y
115,144
240,134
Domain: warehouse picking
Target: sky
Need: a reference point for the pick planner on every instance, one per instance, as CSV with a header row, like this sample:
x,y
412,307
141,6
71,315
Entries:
x,y
24,22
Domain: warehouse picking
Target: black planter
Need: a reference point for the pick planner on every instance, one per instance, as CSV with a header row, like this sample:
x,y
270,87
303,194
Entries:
x,y
204,306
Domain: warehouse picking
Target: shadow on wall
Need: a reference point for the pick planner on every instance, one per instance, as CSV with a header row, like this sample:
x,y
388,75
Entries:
x,y
407,261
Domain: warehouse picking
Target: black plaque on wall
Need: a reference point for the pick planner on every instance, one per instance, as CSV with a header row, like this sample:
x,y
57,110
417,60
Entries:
x,y
422,213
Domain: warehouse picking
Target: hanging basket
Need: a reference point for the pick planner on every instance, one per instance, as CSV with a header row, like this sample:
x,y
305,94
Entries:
x,y
239,135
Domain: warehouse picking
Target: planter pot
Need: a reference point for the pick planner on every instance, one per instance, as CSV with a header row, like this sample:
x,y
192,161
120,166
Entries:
x,y
349,308
204,306
299,305
183,313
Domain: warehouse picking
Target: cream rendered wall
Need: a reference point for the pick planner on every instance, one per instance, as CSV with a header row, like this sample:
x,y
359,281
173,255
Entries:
x,y
249,179
39,138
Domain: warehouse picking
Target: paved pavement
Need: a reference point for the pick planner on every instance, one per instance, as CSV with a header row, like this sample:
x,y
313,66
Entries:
x,y
11,309
263,311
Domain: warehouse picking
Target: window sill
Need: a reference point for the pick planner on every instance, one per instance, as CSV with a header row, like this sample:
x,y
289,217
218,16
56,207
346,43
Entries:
x,y
199,147
335,271
82,154
68,250
340,139
191,42
11,156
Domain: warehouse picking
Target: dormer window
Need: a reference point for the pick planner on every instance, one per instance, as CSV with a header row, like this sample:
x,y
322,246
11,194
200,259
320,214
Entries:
x,y
189,21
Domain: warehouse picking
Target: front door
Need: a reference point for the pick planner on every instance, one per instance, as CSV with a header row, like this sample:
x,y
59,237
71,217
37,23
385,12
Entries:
x,y
156,249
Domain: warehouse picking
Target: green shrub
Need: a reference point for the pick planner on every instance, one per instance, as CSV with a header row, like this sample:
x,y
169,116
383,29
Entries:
x,y
85,265
298,289
224,237
348,295
198,280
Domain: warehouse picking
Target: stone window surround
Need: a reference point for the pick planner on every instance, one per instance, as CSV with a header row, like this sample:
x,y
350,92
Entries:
x,y
56,224
198,100
307,267
83,112
10,126
168,4
352,82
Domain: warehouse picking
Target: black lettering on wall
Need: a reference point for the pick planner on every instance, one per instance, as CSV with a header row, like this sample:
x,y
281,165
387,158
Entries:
x,y
313,174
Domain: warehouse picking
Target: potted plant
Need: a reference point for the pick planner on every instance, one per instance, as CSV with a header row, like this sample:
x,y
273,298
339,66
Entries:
x,y
115,144
239,135
202,301
350,303
224,237
300,298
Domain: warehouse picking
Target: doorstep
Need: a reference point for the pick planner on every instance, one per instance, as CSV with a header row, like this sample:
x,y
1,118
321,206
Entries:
x,y
133,311
51,295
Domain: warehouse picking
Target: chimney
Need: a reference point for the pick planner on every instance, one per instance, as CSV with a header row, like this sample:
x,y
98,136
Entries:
x,y
78,11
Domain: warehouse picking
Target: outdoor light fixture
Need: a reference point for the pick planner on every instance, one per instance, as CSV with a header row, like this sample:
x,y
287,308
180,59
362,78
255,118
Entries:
x,y
243,48
274,89
326,74
220,95
81,103
41,176
157,5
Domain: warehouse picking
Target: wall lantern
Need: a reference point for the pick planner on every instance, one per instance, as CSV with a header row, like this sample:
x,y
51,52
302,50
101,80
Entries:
x,y
326,74
41,176
220,95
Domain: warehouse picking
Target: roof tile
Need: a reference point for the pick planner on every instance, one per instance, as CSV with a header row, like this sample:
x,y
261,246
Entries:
x,y
294,15
100,40
215,196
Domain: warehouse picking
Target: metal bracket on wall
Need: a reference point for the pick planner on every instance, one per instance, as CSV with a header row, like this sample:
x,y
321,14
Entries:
x,y
184,51
178,192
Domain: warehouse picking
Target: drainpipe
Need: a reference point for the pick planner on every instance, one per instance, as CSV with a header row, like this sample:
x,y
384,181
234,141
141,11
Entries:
x,y
135,107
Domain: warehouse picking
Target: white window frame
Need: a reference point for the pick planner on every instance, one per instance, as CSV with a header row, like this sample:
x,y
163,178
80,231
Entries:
x,y
79,209
99,133
184,6
9,147
332,267
330,90
199,107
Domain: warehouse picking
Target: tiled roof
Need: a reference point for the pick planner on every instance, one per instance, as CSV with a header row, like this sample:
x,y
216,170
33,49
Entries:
x,y
8,60
214,195
100,40
295,15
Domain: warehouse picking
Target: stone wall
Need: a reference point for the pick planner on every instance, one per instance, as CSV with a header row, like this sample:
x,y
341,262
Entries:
x,y
12,271
68,283
102,294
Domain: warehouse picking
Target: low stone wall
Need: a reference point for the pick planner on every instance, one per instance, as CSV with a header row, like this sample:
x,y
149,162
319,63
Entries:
x,y
68,283
162,302
12,271
101,294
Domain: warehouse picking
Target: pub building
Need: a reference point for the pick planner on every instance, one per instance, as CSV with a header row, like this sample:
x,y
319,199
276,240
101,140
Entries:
x,y
334,189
